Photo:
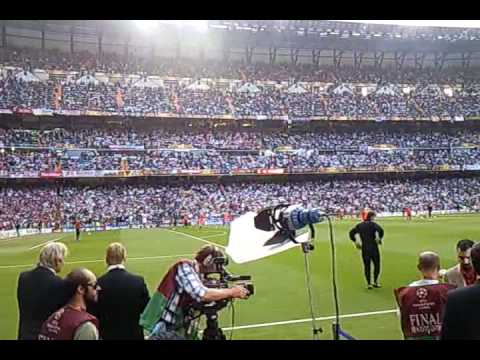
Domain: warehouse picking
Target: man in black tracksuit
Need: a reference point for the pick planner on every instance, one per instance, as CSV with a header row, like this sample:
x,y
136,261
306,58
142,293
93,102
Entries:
x,y
429,208
368,231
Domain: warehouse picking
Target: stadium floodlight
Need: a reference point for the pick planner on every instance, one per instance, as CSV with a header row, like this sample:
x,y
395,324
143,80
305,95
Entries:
x,y
198,25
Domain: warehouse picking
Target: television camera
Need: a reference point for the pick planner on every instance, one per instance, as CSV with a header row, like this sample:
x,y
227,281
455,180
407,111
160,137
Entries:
x,y
216,276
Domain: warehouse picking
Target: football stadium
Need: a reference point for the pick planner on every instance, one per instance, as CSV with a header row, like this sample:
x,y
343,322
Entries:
x,y
240,179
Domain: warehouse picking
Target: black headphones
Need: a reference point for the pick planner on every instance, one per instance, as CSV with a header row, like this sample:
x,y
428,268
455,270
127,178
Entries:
x,y
212,252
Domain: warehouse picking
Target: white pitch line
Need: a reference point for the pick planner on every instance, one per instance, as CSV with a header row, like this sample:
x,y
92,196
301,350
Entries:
x,y
310,319
214,235
22,237
45,242
195,237
103,260
10,239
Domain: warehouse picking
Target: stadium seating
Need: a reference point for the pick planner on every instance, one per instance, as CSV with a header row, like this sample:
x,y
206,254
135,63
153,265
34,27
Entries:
x,y
29,153
225,152
129,205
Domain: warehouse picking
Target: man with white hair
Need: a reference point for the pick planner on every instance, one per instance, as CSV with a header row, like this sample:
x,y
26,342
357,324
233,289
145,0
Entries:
x,y
40,291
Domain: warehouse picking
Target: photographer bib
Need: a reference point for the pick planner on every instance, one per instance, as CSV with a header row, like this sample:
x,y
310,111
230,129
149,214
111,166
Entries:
x,y
421,309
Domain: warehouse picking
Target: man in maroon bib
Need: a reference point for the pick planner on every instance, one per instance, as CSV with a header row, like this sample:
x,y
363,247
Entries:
x,y
422,302
73,322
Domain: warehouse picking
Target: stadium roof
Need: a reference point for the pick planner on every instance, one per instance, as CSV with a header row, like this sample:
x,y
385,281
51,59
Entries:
x,y
426,23
342,35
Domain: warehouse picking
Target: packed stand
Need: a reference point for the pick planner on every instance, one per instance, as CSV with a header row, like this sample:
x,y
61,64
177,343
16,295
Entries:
x,y
155,205
127,98
229,151
47,59
170,161
18,94
348,137
150,139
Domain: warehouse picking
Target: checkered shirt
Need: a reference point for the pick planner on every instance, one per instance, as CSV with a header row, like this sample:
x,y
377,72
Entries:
x,y
187,280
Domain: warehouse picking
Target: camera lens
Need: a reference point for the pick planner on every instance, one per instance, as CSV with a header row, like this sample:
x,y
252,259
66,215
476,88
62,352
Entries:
x,y
302,217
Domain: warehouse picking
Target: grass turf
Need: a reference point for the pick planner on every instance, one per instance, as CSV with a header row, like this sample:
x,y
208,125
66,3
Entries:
x,y
279,280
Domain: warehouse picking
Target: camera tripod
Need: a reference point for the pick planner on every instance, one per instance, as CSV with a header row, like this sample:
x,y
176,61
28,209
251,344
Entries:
x,y
212,332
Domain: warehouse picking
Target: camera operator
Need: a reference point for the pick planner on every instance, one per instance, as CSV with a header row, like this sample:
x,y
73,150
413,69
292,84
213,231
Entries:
x,y
165,316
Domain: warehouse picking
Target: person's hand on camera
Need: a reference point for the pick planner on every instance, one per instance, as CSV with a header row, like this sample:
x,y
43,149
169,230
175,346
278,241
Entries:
x,y
239,292
236,292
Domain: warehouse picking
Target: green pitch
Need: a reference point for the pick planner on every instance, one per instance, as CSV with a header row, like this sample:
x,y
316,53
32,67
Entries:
x,y
279,280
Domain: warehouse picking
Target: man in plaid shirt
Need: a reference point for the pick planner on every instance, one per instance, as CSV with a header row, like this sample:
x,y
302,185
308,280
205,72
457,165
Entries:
x,y
181,287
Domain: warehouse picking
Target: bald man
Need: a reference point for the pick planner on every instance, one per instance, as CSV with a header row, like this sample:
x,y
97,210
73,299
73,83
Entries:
x,y
422,302
73,322
429,266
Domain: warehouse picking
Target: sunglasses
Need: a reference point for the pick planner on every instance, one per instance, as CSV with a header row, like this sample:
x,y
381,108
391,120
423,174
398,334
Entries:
x,y
94,285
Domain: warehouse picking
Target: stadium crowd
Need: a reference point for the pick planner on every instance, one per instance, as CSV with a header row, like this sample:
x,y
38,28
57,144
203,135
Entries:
x,y
224,163
16,93
49,59
155,205
227,151
62,206
127,98
331,139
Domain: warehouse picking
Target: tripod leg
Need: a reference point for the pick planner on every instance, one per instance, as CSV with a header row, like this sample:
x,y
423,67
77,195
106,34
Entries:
x,y
213,332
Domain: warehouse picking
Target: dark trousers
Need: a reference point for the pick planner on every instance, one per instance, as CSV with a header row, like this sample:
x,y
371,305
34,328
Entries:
x,y
77,232
369,256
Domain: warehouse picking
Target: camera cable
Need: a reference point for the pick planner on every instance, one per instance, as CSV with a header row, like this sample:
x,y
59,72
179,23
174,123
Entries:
x,y
334,281
232,326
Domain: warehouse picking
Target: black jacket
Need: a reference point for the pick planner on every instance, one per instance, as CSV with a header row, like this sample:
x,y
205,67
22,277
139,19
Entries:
x,y
121,300
461,319
367,231
39,294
